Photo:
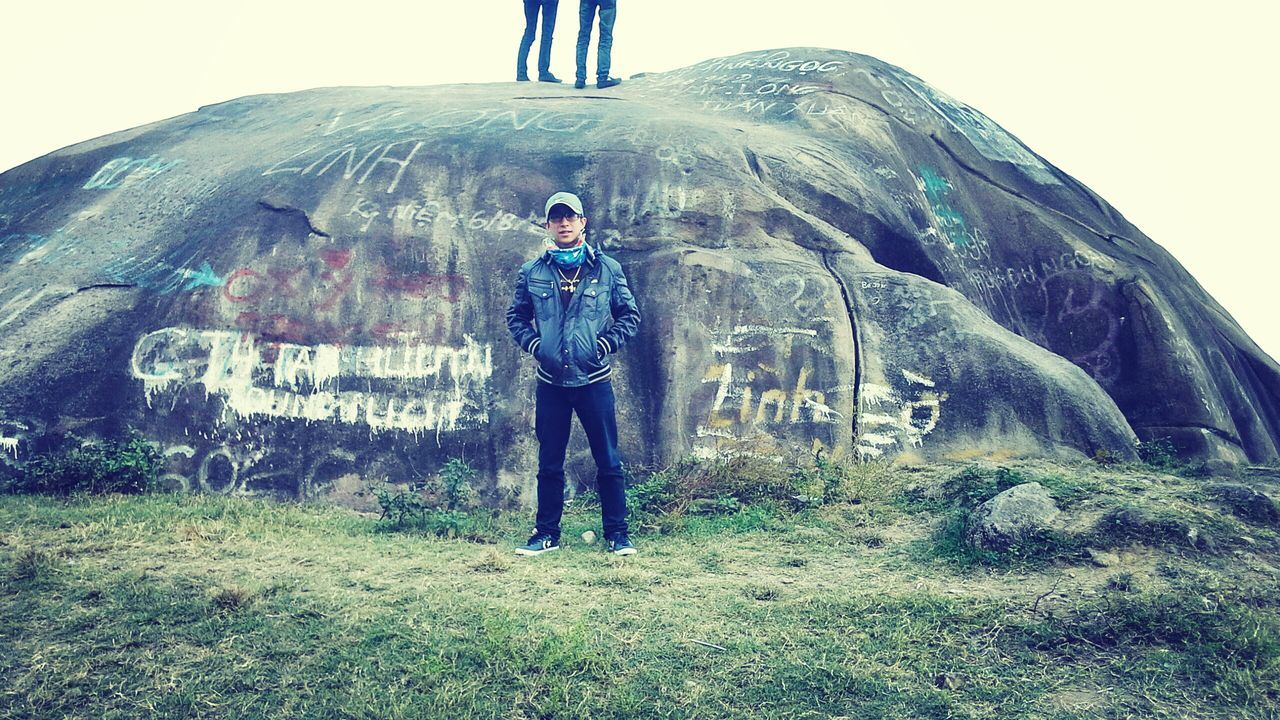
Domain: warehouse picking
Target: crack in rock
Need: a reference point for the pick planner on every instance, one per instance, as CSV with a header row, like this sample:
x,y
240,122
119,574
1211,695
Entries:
x,y
1215,431
105,285
289,210
857,341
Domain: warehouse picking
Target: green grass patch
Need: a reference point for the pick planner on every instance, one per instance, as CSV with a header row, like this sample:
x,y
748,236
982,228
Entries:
x,y
221,607
1221,643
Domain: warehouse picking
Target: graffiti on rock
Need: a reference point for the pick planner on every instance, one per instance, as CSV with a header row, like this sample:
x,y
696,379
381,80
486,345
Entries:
x,y
1080,323
220,469
512,117
753,395
988,138
39,248
769,85
9,443
1031,274
776,404
382,165
411,387
1064,307
125,171
683,158
396,156
660,199
432,213
889,92
749,338
230,466
202,277
836,114
167,273
298,300
12,434
897,417
768,73
134,262
776,60
948,224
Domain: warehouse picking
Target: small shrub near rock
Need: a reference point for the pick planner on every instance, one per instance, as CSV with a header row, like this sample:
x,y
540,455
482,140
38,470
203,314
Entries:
x,y
129,465
733,480
975,485
442,505
995,516
1158,453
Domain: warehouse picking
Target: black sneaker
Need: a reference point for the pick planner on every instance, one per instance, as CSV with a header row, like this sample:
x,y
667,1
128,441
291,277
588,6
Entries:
x,y
608,82
521,77
579,84
538,544
548,77
621,545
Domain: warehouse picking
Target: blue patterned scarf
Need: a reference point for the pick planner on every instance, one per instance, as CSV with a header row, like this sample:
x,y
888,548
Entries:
x,y
569,258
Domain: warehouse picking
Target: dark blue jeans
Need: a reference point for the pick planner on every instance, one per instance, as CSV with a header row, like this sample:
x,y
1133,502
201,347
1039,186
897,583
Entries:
x,y
594,405
586,18
530,25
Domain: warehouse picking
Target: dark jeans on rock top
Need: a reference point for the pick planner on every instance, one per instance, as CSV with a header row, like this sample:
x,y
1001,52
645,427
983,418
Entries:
x,y
586,17
594,405
530,24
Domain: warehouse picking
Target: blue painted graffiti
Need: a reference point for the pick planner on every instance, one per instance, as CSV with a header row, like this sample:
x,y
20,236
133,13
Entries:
x,y
204,277
128,171
950,222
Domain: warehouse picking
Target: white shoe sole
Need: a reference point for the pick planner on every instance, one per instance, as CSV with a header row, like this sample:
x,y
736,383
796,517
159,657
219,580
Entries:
x,y
522,551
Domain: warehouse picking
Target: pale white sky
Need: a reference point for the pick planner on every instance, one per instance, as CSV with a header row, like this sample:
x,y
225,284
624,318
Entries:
x,y
1163,111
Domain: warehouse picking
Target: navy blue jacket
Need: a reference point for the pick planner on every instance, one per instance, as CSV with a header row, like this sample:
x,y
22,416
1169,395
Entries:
x,y
572,345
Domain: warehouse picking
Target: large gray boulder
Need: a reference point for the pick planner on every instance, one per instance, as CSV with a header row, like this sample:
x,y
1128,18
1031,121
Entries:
x,y
1017,514
286,290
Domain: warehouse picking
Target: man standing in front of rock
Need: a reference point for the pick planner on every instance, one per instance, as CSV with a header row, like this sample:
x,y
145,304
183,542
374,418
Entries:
x,y
604,49
572,309
531,8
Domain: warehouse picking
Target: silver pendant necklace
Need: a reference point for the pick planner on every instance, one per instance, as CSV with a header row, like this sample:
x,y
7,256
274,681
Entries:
x,y
569,284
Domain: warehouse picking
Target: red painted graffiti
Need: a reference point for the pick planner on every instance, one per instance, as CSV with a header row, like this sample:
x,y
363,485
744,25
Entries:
x,y
420,285
248,285
341,283
282,328
285,281
282,302
251,284
336,258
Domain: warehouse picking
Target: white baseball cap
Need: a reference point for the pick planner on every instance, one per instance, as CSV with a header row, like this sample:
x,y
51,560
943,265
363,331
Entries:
x,y
563,198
